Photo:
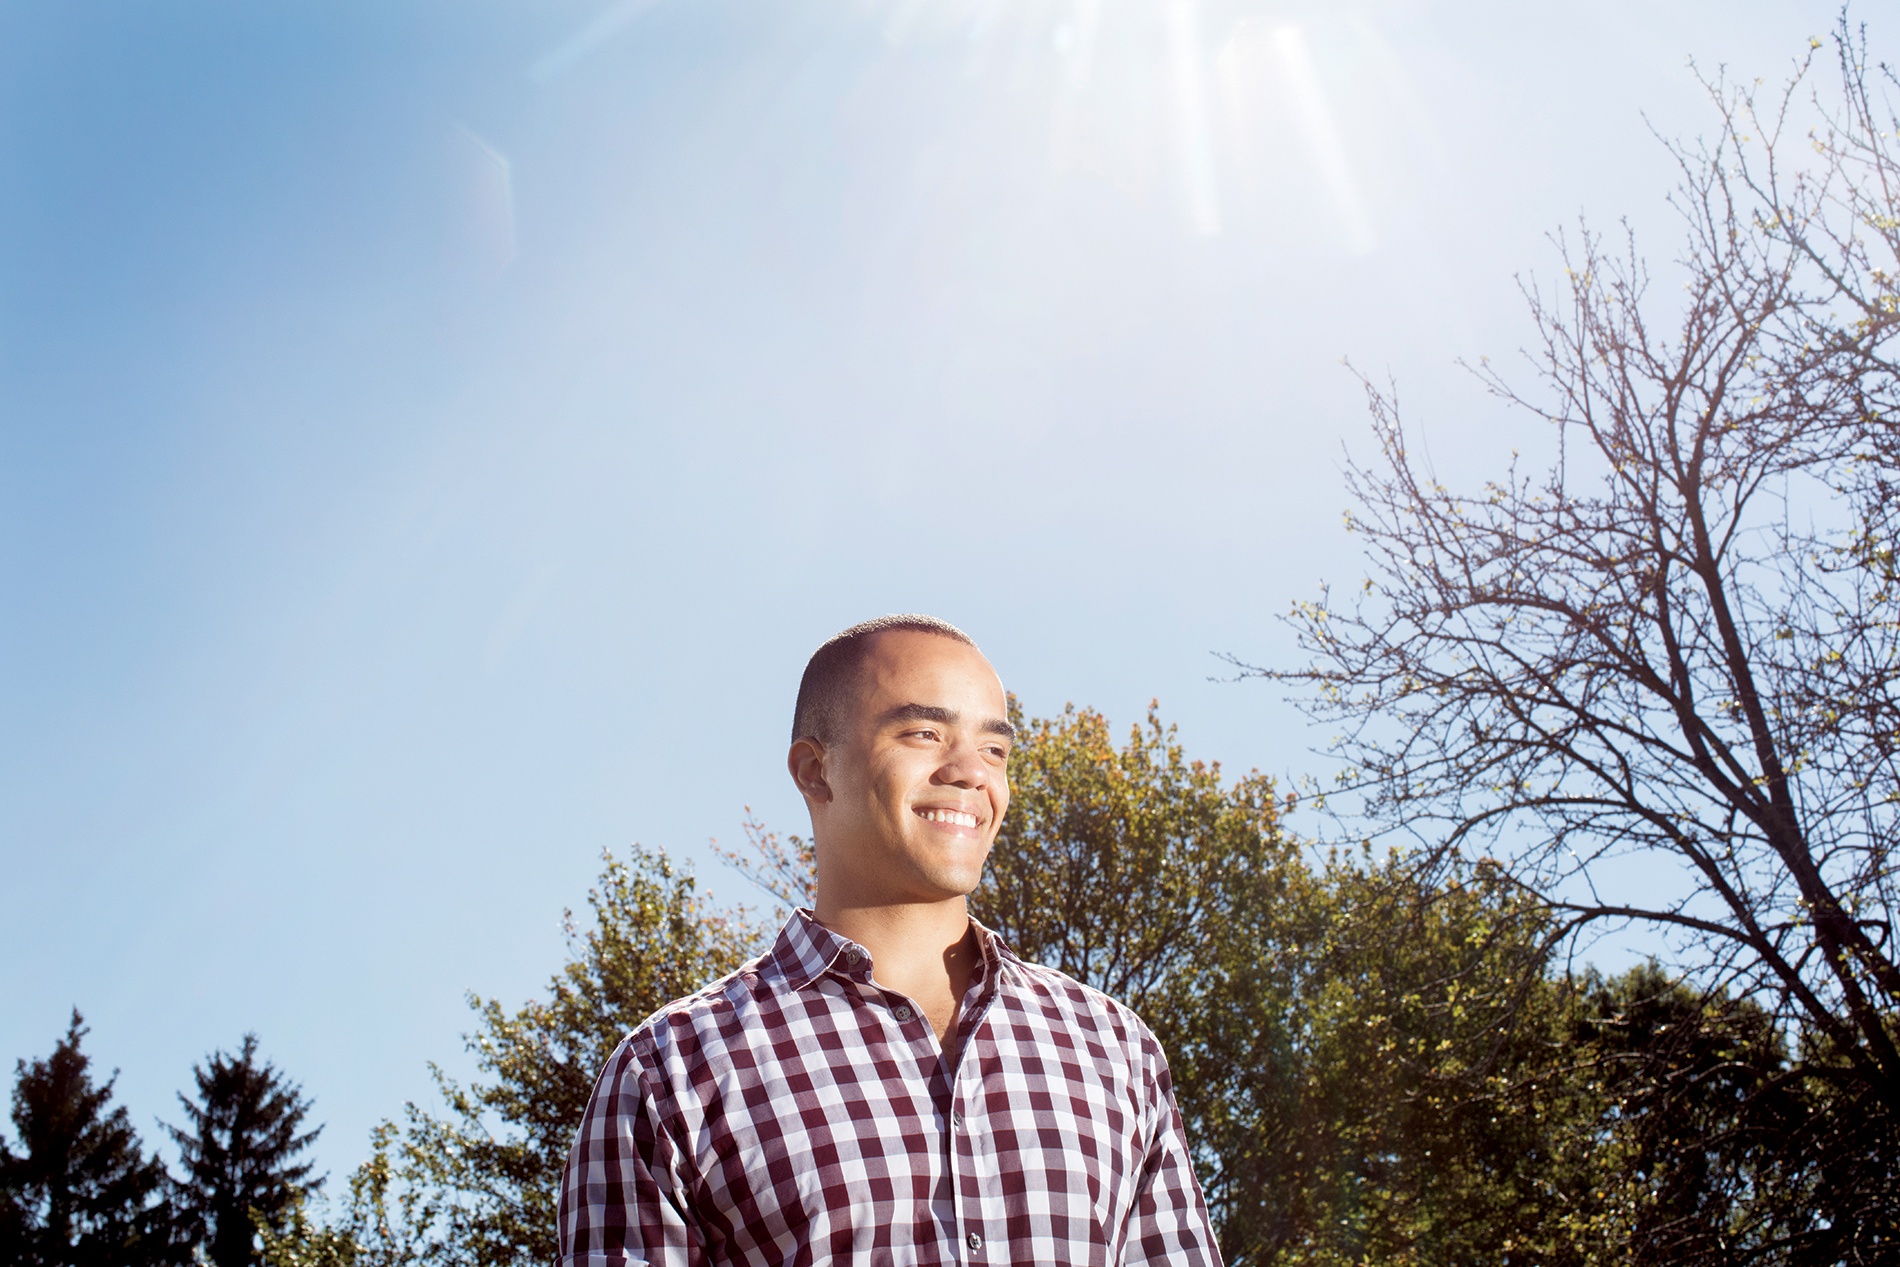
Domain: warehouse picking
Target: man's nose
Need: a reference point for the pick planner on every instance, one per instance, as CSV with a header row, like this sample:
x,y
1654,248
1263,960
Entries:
x,y
963,766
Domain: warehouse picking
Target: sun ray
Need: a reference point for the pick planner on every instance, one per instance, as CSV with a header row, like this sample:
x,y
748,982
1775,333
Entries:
x,y
1196,136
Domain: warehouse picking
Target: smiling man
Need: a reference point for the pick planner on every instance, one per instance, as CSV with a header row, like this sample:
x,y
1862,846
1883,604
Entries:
x,y
888,1084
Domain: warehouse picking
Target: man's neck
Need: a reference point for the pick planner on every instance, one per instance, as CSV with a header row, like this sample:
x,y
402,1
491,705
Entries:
x,y
926,951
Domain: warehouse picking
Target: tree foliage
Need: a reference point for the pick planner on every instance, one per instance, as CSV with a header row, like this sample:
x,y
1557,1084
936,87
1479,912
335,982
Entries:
x,y
1679,641
1698,1115
241,1153
476,1181
388,1220
81,1191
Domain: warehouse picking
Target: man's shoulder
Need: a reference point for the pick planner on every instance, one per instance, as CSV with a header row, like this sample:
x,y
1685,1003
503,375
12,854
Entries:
x,y
1063,1002
689,1025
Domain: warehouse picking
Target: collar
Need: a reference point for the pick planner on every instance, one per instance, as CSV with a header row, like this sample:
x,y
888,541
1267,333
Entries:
x,y
806,950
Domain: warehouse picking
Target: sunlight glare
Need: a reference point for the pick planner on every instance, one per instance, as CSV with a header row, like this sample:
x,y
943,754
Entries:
x,y
1192,116
1321,134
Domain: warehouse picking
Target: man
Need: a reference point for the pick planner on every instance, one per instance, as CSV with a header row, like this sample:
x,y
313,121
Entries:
x,y
888,1084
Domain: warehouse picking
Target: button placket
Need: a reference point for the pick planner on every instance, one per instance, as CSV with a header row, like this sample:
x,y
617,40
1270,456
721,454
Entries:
x,y
979,1201
961,1167
968,1167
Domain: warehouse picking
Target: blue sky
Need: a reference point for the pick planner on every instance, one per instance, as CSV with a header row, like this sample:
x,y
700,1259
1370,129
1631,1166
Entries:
x,y
433,435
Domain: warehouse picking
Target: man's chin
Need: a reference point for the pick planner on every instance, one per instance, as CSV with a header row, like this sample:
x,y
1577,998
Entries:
x,y
947,886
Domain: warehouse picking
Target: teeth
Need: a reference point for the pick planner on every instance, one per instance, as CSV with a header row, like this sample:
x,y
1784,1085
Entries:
x,y
954,817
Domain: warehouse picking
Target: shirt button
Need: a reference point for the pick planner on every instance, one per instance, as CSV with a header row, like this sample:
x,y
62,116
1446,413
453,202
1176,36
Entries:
x,y
956,1119
854,956
976,1242
902,1013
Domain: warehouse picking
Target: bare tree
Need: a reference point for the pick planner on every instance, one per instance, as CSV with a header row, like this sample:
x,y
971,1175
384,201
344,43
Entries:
x,y
1679,640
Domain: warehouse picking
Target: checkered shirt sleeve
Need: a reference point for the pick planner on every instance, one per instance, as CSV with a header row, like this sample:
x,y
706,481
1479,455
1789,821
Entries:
x,y
797,1112
622,1198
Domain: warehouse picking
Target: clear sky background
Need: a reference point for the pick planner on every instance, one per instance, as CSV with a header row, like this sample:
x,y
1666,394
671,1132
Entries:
x,y
434,433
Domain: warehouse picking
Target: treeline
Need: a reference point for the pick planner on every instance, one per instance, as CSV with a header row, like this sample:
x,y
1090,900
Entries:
x,y
1371,1072
78,1189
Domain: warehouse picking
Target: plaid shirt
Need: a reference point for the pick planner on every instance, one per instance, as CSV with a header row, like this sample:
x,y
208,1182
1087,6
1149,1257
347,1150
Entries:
x,y
798,1112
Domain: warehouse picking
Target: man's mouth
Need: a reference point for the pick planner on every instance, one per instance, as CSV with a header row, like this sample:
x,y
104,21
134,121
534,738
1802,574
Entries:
x,y
951,817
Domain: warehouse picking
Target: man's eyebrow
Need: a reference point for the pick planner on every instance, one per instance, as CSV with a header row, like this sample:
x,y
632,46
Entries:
x,y
918,712
943,717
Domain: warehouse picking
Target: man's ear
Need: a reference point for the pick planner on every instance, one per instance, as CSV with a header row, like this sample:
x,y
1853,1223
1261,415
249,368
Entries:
x,y
806,761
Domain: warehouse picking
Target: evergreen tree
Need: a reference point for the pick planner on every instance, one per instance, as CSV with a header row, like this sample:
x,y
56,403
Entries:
x,y
80,1192
240,1153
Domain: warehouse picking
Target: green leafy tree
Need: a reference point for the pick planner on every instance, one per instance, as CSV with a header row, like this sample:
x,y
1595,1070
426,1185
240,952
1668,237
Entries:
x,y
386,1221
80,1192
476,1181
1698,1111
241,1153
1427,1127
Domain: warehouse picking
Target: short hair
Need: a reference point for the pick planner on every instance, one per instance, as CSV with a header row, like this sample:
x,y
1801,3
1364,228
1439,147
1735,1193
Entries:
x,y
833,670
